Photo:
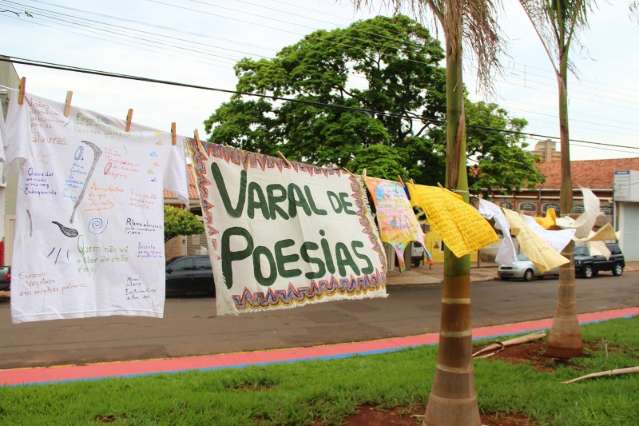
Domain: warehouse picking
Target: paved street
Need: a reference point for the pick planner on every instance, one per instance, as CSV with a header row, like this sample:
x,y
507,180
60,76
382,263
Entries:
x,y
190,326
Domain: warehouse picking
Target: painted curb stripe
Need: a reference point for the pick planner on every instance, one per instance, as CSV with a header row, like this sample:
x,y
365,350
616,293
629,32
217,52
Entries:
x,y
138,368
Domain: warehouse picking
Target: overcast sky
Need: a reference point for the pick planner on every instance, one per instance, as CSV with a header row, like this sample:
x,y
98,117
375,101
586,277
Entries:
x,y
210,35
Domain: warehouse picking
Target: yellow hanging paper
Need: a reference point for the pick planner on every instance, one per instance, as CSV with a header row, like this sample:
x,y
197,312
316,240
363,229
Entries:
x,y
549,221
538,251
461,227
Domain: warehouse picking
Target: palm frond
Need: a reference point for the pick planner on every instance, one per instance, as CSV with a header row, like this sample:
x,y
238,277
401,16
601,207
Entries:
x,y
480,30
558,23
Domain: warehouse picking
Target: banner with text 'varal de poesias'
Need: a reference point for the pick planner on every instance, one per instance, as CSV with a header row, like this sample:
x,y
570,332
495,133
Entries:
x,y
282,235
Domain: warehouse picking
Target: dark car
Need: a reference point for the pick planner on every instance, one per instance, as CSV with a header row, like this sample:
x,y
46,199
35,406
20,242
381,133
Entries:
x,y
189,275
588,266
5,278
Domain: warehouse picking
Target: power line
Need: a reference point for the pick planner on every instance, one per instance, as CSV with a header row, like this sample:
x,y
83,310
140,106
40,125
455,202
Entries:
x,y
401,42
52,65
149,47
126,28
156,26
150,43
54,16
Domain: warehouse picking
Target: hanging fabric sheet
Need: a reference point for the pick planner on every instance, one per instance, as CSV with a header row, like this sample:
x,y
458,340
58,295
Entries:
x,y
89,237
506,253
397,223
558,240
540,252
283,234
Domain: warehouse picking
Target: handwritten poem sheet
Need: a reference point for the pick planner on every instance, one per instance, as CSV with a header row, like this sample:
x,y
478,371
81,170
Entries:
x,y
89,237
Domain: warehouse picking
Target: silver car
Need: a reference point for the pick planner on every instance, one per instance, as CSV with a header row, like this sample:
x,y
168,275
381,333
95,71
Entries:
x,y
524,269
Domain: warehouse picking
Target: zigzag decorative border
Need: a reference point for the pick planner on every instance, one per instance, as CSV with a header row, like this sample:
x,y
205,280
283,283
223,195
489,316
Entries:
x,y
366,219
254,160
317,289
249,300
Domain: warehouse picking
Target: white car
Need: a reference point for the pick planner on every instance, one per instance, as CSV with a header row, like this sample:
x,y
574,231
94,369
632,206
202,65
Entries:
x,y
524,269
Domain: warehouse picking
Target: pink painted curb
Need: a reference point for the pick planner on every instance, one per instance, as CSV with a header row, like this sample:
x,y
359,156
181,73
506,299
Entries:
x,y
22,376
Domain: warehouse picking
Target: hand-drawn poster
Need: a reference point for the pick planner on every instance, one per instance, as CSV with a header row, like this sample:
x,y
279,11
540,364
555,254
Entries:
x,y
284,234
397,222
89,237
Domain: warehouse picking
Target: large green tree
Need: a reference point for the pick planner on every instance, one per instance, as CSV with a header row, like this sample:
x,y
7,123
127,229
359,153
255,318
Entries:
x,y
390,65
500,156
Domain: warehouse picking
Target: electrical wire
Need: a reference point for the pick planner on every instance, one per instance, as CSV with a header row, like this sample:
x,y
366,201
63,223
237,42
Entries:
x,y
52,65
400,42
151,43
148,47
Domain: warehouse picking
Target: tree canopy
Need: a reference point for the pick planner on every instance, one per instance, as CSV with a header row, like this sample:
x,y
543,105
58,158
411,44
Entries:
x,y
387,115
180,222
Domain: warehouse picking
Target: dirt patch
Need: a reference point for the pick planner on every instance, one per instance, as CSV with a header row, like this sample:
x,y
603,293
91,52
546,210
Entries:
x,y
506,419
534,353
256,385
106,418
367,415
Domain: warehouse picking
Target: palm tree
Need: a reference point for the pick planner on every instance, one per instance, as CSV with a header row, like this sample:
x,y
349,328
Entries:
x,y
453,400
557,23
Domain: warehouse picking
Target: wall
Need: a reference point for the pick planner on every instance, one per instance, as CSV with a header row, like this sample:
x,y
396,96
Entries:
x,y
175,247
629,230
8,77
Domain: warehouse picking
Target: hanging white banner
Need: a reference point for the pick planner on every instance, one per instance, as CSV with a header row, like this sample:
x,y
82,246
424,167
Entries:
x,y
284,234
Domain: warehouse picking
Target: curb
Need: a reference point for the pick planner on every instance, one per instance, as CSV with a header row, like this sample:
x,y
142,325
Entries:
x,y
138,368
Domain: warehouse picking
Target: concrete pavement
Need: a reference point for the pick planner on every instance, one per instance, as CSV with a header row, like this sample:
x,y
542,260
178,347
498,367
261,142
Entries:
x,y
191,327
434,275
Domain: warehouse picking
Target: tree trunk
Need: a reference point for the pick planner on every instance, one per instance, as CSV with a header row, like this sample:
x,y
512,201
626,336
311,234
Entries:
x,y
564,340
452,401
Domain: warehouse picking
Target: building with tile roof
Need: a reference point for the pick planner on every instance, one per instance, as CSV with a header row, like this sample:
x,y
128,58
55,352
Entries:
x,y
597,175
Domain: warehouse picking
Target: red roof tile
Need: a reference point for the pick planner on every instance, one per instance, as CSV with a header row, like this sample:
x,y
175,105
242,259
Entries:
x,y
587,173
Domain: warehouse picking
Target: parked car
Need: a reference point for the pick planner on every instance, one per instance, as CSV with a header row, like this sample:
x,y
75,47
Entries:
x,y
5,278
189,275
524,269
588,265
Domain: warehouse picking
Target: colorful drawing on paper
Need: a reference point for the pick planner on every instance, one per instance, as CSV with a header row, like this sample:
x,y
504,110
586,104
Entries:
x,y
395,217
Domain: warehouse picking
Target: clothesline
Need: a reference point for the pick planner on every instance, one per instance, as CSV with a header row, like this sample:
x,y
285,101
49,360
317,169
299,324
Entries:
x,y
89,219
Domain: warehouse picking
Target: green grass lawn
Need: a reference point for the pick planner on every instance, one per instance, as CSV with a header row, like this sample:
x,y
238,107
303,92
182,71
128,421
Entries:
x,y
300,393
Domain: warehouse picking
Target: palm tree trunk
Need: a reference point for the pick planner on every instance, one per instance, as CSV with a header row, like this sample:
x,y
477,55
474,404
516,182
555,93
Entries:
x,y
452,401
564,340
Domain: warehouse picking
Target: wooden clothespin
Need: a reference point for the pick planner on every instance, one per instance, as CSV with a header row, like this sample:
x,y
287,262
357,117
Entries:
x,y
21,90
67,103
129,119
364,173
399,178
198,142
173,134
288,163
412,181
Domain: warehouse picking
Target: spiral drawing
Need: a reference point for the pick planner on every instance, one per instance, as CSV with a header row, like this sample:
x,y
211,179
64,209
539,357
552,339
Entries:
x,y
97,225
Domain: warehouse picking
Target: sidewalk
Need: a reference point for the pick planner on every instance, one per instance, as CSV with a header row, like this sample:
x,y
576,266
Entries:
x,y
435,275
486,272
137,368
